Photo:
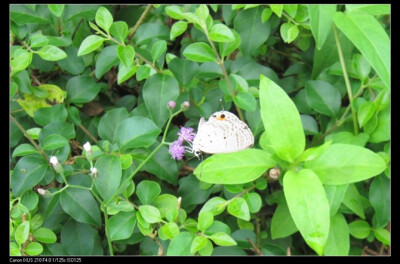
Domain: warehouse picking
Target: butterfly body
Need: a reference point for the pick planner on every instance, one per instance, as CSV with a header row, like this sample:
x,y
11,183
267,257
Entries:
x,y
222,133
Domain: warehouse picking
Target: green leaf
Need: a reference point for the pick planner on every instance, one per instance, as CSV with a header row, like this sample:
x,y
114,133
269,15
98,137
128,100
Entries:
x,y
158,90
28,172
147,32
253,32
34,249
82,89
51,53
109,176
147,191
359,229
174,11
221,33
45,235
379,196
72,64
46,115
165,202
22,232
207,249
24,150
161,166
177,29
38,40
199,52
289,32
170,230
338,243
382,235
266,14
202,12
107,59
335,194
226,48
158,48
234,168
361,66
382,131
54,141
352,200
13,89
365,112
377,9
323,97
309,124
238,208
57,127
216,205
308,207
121,225
180,245
277,112
246,101
81,206
205,220
374,45
110,121
321,22
126,54
21,61
350,164
150,213
80,239
126,72
119,30
34,132
104,18
184,70
282,224
198,243
223,239
253,201
136,132
89,44
277,9
57,10
191,192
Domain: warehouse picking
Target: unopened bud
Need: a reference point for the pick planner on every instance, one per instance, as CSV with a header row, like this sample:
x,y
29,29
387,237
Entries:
x,y
87,147
171,104
186,105
56,165
43,192
274,174
94,172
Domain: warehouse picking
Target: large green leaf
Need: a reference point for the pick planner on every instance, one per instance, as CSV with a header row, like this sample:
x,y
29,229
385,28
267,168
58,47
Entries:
x,y
72,64
352,200
180,245
253,33
321,22
184,70
82,89
81,206
110,121
369,37
323,97
107,59
344,163
199,52
234,168
46,115
28,172
121,225
109,176
161,166
136,132
308,207
90,44
80,239
338,243
158,90
335,194
147,191
379,196
282,224
281,120
238,208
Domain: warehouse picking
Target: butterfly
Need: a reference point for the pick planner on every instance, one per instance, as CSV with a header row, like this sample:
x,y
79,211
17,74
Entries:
x,y
224,132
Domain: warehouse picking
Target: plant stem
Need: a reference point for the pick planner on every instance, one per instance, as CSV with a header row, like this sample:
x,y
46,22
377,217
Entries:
x,y
88,133
347,81
221,65
139,22
148,62
30,139
107,231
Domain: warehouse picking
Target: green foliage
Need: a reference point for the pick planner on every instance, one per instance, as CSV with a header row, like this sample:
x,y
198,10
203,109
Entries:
x,y
98,96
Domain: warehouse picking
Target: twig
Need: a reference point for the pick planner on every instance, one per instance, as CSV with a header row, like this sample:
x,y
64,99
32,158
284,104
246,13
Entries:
x,y
88,133
255,248
139,22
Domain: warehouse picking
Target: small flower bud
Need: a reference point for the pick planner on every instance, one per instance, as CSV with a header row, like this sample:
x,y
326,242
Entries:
x,y
43,192
171,104
94,172
87,147
274,174
186,105
54,161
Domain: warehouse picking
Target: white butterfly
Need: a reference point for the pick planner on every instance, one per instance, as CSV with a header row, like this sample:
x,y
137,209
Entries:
x,y
222,133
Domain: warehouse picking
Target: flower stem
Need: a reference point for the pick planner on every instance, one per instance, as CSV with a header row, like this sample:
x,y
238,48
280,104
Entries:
x,y
347,81
107,231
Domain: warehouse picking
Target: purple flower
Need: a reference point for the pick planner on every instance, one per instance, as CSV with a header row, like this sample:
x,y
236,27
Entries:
x,y
176,149
187,134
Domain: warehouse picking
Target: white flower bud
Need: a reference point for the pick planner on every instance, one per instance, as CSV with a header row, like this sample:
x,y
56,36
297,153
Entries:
x,y
41,191
94,172
54,161
87,147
